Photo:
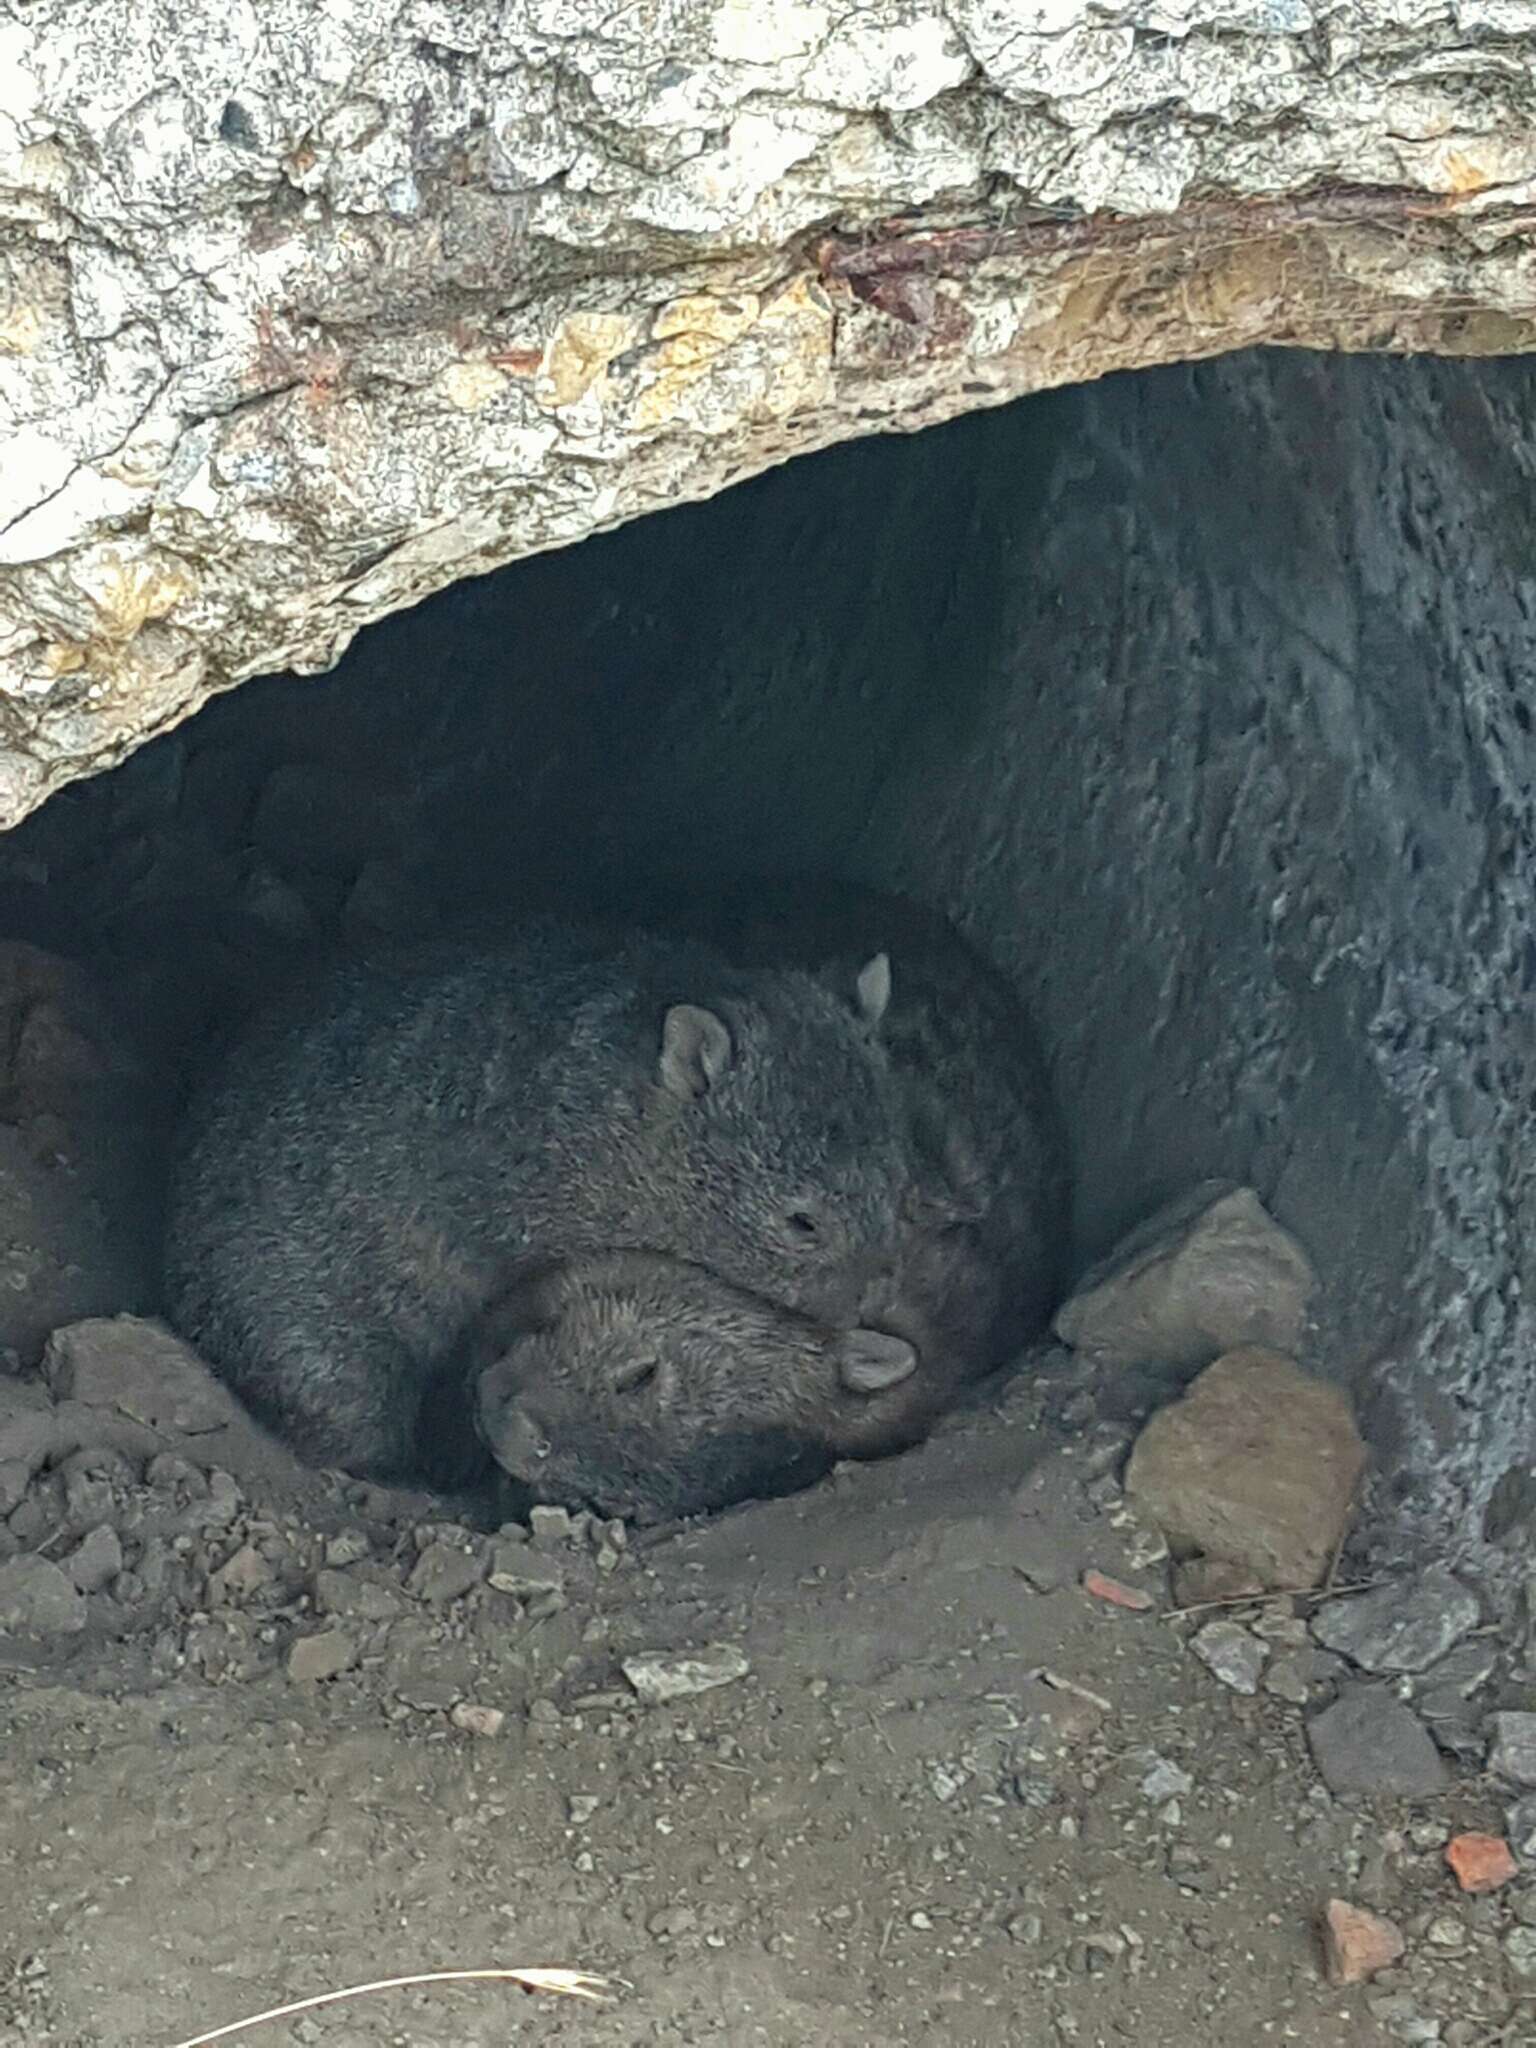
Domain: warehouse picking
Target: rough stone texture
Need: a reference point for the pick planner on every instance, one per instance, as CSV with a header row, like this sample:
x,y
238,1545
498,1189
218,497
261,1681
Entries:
x,y
1513,1751
1257,1464
142,1372
1231,1654
1369,1742
38,1598
309,312
661,1675
1405,1626
1209,1273
1357,1942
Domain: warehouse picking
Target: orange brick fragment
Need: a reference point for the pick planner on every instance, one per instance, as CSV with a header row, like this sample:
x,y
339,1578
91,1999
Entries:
x,y
1480,1863
1118,1595
1357,1943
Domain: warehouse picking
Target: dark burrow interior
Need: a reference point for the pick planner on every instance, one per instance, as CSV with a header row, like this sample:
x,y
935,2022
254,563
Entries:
x,y
1201,698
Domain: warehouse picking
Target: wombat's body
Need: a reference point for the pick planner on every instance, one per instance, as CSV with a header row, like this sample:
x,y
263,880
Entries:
x,y
378,1158
645,1387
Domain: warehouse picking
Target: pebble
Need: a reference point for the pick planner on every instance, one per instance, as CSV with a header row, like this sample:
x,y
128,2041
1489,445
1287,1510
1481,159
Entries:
x,y
1480,1863
550,1528
1520,1951
339,1592
661,1675
38,1598
245,1572
15,1478
1357,1943
351,1546
1406,1626
444,1573
1368,1741
325,1655
476,1719
581,1806
1520,1827
97,1561
1513,1752
1164,1780
1134,1599
1231,1654
518,1570
1446,1933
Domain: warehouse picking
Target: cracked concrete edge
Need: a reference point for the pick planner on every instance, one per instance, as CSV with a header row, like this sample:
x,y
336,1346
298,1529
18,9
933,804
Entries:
x,y
305,316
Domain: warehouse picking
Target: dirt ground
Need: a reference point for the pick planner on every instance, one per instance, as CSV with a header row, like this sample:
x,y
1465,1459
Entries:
x,y
954,1798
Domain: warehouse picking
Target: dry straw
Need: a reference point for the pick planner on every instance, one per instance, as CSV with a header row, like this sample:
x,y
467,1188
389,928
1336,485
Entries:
x,y
558,1983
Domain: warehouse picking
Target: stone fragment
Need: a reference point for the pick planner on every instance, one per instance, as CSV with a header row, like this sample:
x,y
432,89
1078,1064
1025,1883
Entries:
x,y
476,1719
355,1597
1115,1593
15,1478
444,1573
1520,1951
242,1574
550,1528
1205,1275
672,1921
1480,1863
1257,1465
1231,1654
1357,1943
521,1571
326,1655
140,1370
38,1598
1520,1827
661,1675
1300,1676
1405,1626
1513,1752
96,1561
351,1546
1368,1741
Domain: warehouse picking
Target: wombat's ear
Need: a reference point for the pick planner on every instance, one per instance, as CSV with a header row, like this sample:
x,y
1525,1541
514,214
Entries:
x,y
872,1360
696,1050
873,988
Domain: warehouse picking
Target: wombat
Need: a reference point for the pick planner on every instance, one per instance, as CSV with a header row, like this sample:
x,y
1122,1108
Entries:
x,y
647,1388
985,1235
380,1154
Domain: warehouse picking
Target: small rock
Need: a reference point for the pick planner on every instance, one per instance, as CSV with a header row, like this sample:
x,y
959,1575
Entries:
x,y
326,1655
137,1369
1405,1626
28,1426
357,1598
246,1572
475,1719
1116,1593
550,1528
1446,1933
518,1570
444,1573
1357,1943
1207,1274
1164,1780
15,1478
92,1479
1520,1951
1466,1670
1231,1653
1257,1464
1520,1826
1288,1679
37,1598
1368,1741
661,1675
168,1473
97,1561
350,1546
1040,1555
1026,1929
672,1921
1480,1863
581,1806
1203,1581
1513,1753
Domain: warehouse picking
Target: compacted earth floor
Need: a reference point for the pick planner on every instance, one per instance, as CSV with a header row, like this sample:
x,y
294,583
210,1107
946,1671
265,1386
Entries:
x,y
314,1735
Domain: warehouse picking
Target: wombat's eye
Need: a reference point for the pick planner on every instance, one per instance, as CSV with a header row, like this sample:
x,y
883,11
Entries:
x,y
802,1225
635,1373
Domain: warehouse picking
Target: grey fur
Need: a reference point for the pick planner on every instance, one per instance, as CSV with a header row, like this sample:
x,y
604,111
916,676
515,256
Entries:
x,y
645,1387
381,1155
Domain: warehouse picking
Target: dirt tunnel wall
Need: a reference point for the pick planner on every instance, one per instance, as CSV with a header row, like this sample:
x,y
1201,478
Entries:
x,y
1202,696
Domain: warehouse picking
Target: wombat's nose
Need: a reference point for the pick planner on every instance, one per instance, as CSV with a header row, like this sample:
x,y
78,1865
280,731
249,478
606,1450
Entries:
x,y
519,1444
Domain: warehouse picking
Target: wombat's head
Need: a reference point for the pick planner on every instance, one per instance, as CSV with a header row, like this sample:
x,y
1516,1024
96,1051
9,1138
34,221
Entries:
x,y
791,1150
646,1388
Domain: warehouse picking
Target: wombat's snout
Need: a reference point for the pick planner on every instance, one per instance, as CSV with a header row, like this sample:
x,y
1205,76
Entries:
x,y
512,1434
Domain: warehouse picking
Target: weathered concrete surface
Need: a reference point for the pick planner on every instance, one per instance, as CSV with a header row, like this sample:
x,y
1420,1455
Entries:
x,y
306,312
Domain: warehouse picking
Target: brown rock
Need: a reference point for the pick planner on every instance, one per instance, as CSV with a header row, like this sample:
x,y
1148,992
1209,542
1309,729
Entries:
x,y
1257,1465
1357,1943
1480,1863
1115,1593
1205,1275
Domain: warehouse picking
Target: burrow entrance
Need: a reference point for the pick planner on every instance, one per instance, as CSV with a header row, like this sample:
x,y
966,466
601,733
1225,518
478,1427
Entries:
x,y
1203,698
